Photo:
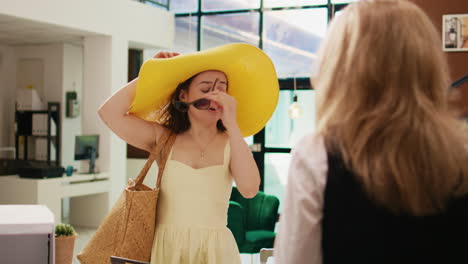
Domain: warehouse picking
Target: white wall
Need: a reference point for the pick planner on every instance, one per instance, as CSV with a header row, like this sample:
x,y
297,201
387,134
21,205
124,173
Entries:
x,y
134,167
105,71
72,81
141,24
7,93
118,148
52,57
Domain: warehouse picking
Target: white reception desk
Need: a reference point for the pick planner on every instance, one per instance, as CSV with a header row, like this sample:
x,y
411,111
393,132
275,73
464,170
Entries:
x,y
89,192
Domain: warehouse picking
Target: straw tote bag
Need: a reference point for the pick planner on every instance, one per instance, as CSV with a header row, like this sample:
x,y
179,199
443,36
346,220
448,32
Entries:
x,y
128,230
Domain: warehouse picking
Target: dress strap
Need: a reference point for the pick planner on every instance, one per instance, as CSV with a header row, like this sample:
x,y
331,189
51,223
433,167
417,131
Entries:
x,y
227,154
170,153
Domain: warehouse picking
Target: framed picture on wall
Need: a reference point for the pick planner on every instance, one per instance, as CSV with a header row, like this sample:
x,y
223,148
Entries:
x,y
455,32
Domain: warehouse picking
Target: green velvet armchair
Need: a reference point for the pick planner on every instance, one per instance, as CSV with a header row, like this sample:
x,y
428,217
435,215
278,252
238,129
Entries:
x,y
252,221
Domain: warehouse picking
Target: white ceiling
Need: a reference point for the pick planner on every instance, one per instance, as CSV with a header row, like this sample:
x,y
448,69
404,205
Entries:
x,y
17,31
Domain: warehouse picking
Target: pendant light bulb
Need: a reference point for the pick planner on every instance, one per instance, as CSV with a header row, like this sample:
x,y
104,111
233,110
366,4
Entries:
x,y
295,110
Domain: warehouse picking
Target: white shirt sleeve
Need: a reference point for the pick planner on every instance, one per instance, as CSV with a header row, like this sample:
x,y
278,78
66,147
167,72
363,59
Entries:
x,y
300,228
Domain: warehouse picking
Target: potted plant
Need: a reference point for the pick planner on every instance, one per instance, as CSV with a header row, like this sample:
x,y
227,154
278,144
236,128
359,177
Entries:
x,y
65,236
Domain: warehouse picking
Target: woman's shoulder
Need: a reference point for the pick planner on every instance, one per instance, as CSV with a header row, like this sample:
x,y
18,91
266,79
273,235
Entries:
x,y
310,145
310,154
309,164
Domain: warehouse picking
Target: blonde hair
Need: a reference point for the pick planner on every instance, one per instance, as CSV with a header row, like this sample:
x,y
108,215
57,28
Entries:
x,y
382,85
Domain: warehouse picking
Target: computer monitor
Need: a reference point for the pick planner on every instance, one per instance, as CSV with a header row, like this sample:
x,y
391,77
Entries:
x,y
87,147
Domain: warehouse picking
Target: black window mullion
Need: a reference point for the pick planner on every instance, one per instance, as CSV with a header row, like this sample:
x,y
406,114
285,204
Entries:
x,y
302,83
277,150
259,138
295,7
260,26
199,28
259,157
338,7
249,10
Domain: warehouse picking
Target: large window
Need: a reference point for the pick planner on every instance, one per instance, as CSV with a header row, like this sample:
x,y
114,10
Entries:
x,y
290,32
292,37
221,29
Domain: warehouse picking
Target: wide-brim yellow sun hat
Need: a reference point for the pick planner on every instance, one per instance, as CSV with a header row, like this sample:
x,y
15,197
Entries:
x,y
251,76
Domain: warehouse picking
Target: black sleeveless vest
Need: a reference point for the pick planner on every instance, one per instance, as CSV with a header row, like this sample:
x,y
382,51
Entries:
x,y
356,230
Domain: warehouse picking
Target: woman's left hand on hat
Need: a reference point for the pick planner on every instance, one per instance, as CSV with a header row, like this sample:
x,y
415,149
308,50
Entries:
x,y
228,108
165,55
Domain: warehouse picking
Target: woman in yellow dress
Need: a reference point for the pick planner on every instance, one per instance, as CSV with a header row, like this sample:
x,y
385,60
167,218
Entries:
x,y
209,152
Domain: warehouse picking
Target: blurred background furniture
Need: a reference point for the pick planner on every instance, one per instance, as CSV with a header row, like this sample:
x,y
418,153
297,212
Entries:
x,y
265,253
39,130
252,221
89,195
27,234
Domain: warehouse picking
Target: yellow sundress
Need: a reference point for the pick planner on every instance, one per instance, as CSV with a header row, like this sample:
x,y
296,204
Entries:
x,y
191,225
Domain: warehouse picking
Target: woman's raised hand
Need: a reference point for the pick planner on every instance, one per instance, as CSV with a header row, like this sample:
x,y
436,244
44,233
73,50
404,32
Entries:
x,y
165,55
228,106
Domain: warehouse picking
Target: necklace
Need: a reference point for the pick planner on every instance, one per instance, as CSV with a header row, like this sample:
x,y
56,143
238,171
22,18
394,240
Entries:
x,y
202,150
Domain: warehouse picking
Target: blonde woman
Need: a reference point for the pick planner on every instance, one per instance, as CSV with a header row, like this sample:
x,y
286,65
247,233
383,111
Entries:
x,y
385,177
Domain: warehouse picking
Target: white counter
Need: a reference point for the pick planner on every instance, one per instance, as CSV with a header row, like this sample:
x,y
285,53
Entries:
x,y
90,193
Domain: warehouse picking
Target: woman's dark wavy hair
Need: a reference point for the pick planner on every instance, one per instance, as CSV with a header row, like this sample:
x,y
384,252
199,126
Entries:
x,y
177,121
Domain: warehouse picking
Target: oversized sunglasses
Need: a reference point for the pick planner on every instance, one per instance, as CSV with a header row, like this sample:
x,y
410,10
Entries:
x,y
200,104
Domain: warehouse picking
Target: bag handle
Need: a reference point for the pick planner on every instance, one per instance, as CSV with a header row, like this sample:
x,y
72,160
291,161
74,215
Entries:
x,y
160,154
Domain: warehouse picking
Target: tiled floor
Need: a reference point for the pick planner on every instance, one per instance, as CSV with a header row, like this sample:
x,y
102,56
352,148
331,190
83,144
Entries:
x,y
85,234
